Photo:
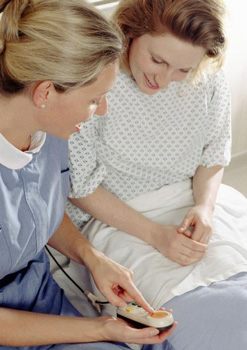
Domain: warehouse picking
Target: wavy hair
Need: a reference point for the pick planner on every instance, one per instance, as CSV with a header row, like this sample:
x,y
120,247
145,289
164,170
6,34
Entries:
x,y
199,22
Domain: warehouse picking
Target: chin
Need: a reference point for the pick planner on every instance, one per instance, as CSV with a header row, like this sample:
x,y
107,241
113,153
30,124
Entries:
x,y
145,90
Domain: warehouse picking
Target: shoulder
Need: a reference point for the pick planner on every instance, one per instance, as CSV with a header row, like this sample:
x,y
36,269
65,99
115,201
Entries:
x,y
217,79
216,84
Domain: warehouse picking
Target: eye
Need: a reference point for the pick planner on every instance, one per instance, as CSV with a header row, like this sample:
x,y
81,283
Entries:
x,y
95,103
155,60
185,71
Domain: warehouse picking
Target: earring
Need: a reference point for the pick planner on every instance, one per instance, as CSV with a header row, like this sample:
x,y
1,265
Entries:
x,y
43,106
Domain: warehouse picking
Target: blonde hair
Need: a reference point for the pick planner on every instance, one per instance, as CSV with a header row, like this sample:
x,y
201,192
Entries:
x,y
199,22
65,41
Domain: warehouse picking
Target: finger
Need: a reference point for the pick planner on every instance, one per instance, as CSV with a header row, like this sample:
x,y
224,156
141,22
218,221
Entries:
x,y
186,260
187,257
165,334
163,308
125,296
187,233
128,292
114,299
136,295
157,338
186,223
192,244
206,237
133,334
140,333
198,232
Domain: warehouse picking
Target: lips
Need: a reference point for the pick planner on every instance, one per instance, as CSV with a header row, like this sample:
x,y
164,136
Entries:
x,y
150,85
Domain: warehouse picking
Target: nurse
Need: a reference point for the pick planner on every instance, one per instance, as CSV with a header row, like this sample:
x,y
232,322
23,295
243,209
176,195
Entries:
x,y
55,71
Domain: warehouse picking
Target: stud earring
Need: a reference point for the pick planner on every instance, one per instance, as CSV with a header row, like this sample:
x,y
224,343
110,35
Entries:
x,y
43,106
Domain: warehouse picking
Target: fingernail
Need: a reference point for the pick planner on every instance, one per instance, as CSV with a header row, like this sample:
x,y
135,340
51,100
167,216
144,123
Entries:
x,y
153,332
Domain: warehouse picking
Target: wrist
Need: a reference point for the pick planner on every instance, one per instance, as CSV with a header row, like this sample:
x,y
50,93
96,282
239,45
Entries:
x,y
152,233
206,207
90,256
93,329
105,329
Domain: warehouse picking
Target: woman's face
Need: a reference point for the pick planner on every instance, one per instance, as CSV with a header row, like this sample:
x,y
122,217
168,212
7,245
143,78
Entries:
x,y
68,110
155,61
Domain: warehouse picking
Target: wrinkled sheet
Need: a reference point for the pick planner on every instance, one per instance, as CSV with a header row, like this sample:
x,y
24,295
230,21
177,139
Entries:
x,y
209,298
159,278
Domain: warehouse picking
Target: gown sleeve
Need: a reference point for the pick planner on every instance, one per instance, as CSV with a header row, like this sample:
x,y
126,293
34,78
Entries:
x,y
86,171
217,148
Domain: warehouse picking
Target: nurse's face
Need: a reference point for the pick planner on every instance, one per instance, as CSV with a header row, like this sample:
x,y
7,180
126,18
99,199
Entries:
x,y
155,61
73,107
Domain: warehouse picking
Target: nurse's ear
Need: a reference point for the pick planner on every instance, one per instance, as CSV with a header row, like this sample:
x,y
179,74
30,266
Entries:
x,y
42,93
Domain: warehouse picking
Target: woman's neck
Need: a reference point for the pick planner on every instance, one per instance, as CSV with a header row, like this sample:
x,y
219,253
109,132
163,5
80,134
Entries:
x,y
15,122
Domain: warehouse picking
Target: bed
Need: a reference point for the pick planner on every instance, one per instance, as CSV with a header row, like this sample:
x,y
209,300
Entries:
x,y
209,298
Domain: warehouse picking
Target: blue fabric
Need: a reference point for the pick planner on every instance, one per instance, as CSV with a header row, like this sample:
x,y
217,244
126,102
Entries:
x,y
32,204
212,318
32,201
34,289
110,346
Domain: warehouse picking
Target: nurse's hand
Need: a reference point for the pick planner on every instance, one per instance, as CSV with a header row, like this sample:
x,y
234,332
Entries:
x,y
180,248
112,329
115,282
200,220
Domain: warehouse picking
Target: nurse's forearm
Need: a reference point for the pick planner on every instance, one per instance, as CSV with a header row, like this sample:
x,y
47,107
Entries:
x,y
206,182
70,242
20,328
109,209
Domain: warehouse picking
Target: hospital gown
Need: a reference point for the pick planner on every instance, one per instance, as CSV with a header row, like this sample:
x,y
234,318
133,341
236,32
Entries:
x,y
145,142
144,145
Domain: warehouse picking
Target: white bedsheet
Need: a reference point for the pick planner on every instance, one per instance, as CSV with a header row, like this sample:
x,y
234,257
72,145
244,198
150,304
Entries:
x,y
159,278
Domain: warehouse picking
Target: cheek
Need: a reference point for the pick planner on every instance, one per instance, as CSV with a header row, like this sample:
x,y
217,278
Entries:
x,y
144,65
179,76
87,113
137,60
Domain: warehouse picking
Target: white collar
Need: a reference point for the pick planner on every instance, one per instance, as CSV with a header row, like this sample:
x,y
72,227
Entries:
x,y
13,158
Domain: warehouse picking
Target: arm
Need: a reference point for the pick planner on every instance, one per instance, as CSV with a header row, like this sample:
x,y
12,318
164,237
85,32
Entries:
x,y
33,329
216,154
113,280
206,182
106,207
86,175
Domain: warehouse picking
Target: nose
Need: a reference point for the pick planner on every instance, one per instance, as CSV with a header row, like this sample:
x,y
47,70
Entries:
x,y
102,109
164,78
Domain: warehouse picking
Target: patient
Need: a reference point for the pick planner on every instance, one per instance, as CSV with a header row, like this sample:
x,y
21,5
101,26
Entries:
x,y
149,172
53,63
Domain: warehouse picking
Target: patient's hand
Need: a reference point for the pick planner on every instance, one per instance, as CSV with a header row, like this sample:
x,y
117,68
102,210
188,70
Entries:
x,y
178,247
200,219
